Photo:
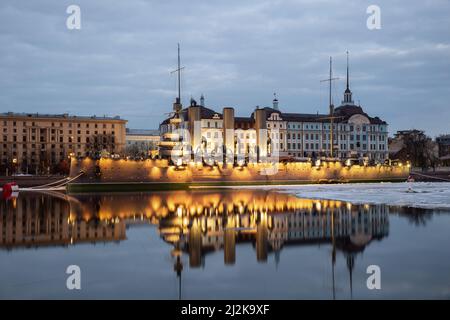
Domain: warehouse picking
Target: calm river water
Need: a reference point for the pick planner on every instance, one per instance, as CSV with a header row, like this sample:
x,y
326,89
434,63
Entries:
x,y
213,244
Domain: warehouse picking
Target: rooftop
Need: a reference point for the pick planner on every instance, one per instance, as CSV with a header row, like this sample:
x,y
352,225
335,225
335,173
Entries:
x,y
142,132
57,116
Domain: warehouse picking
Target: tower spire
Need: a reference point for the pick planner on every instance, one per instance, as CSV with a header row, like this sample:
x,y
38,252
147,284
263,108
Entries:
x,y
348,87
275,101
348,92
202,100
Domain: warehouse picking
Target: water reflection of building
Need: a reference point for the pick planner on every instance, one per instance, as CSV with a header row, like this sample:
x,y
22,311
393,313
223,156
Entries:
x,y
39,220
305,222
196,223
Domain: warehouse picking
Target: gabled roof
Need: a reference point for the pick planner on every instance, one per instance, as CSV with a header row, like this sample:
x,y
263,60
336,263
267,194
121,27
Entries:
x,y
305,117
205,113
243,119
343,114
347,111
59,116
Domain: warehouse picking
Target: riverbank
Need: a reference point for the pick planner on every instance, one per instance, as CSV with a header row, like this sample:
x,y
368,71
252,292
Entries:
x,y
431,176
30,181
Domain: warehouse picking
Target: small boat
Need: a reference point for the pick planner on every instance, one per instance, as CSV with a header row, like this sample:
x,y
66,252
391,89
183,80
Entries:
x,y
9,190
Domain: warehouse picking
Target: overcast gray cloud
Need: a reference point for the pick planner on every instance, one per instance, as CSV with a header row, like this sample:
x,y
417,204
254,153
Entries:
x,y
237,53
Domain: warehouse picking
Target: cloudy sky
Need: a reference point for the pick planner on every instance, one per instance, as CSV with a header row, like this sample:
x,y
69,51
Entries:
x,y
237,53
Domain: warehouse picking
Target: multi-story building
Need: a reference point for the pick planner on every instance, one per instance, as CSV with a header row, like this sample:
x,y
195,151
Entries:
x,y
443,143
32,142
355,134
141,140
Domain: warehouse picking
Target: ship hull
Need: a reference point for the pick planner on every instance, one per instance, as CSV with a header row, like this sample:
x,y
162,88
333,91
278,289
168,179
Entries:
x,y
130,175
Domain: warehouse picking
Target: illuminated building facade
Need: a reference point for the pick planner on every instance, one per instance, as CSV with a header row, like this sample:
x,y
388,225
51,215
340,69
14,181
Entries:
x,y
355,134
38,142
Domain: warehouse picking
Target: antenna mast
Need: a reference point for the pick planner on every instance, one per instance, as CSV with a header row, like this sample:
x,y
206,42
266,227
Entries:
x,y
329,80
179,74
178,71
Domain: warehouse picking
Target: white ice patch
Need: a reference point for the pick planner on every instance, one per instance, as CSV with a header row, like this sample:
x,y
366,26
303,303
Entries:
x,y
417,194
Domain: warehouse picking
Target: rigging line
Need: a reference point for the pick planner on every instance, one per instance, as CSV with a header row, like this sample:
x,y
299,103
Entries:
x,y
49,184
47,187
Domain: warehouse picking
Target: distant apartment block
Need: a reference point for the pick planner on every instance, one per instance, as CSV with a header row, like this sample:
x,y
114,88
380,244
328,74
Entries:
x,y
142,139
33,142
443,143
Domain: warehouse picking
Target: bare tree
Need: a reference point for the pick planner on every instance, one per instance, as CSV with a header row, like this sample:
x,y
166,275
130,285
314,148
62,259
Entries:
x,y
417,148
135,150
99,144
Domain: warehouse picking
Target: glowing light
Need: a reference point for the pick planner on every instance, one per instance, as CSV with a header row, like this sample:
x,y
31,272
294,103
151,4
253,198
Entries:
x,y
179,211
317,163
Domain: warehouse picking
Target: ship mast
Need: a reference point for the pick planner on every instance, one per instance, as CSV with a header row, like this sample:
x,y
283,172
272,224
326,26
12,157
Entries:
x,y
330,103
178,71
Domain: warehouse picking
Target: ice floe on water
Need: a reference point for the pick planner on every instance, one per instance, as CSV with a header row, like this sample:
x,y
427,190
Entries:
x,y
417,194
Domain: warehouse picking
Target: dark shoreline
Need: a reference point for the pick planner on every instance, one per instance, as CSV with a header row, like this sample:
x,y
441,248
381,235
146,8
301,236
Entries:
x,y
30,181
430,176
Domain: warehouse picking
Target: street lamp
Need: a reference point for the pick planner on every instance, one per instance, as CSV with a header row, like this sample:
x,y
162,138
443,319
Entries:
x,y
14,162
